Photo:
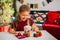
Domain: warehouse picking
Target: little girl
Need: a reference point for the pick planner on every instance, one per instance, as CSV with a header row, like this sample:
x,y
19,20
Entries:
x,y
23,18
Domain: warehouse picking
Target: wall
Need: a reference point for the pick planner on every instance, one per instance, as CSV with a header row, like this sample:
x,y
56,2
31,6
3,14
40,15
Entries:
x,y
53,6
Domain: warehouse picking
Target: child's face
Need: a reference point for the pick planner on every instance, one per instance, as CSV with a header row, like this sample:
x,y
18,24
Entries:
x,y
24,15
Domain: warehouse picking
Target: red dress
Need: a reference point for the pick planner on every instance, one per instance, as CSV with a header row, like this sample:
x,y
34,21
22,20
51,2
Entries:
x,y
19,25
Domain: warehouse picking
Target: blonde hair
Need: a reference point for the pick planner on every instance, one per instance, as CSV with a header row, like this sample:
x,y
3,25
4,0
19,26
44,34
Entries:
x,y
22,9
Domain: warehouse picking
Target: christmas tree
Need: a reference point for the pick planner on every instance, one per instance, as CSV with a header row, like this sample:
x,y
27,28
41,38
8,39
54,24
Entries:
x,y
6,11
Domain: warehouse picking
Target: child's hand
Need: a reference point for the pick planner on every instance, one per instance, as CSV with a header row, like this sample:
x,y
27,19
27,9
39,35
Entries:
x,y
36,29
12,31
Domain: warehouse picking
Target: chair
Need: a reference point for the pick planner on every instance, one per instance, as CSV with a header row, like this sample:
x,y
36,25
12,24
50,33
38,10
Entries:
x,y
50,24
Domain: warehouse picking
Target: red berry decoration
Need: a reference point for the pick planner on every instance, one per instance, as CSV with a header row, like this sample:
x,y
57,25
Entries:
x,y
40,34
19,34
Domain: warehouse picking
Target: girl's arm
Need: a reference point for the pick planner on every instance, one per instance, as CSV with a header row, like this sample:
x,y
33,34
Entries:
x,y
35,28
12,31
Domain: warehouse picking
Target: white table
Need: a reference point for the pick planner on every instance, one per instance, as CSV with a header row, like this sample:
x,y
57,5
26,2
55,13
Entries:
x,y
45,36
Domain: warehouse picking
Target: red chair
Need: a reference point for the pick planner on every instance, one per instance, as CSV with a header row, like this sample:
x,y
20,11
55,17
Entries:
x,y
51,26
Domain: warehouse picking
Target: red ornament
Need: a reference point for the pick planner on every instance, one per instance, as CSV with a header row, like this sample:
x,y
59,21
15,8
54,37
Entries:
x,y
19,34
40,34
